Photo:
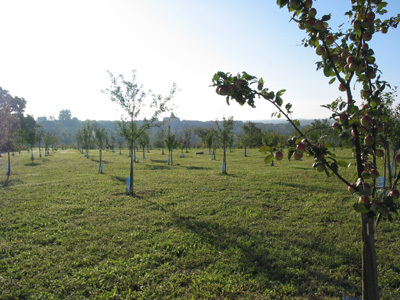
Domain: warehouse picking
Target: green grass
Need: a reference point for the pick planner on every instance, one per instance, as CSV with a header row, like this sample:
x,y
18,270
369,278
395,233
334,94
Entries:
x,y
260,232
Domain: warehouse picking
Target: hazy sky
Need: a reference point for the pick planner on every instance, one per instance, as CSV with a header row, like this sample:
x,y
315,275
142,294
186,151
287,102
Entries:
x,y
55,54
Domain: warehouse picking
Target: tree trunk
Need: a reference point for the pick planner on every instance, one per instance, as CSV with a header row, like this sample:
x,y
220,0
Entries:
x,y
131,173
369,269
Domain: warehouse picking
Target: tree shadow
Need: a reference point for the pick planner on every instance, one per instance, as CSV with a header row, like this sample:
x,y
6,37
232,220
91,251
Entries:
x,y
32,164
258,261
158,167
196,168
118,178
98,161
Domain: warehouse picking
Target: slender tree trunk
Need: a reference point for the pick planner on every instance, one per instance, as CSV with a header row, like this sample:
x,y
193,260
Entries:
x,y
131,173
9,165
369,269
224,162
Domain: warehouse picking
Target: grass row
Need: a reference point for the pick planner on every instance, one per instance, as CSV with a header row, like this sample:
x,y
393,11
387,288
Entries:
x,y
260,232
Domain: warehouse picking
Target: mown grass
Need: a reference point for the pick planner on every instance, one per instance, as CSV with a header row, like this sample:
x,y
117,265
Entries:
x,y
260,232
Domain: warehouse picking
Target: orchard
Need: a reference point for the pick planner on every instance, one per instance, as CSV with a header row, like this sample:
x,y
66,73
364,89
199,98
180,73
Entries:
x,y
347,60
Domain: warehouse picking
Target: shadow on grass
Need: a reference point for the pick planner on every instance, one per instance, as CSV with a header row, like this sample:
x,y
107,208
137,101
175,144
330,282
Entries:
x,y
158,161
313,187
104,162
158,167
261,261
119,178
197,168
32,164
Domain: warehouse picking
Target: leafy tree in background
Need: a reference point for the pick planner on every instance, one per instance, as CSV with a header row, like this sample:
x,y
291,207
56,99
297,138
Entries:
x,y
132,98
49,141
225,136
144,141
347,59
85,136
159,139
11,111
100,134
186,138
250,136
40,134
28,127
171,143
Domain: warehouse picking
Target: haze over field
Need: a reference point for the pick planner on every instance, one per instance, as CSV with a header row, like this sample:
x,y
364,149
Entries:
x,y
56,53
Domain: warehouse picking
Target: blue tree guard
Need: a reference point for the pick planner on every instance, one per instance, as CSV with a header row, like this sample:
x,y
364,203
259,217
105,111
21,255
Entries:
x,y
100,168
223,167
128,184
144,156
181,155
7,170
169,160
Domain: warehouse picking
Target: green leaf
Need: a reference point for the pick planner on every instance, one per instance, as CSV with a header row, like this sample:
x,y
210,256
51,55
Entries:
x,y
260,84
265,149
342,163
360,207
268,159
332,80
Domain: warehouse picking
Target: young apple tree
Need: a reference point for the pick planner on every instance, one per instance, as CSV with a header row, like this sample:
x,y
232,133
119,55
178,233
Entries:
x,y
225,135
11,112
100,134
133,99
345,58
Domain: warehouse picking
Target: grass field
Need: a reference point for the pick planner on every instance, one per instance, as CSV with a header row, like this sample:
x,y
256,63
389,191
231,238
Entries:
x,y
260,232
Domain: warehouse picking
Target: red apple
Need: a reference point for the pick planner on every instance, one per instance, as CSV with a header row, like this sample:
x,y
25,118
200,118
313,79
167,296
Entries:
x,y
342,87
351,188
369,140
278,155
335,126
367,36
370,16
397,158
375,206
394,194
365,174
364,199
312,13
301,147
222,90
297,155
379,153
366,121
329,39
374,173
240,83
343,118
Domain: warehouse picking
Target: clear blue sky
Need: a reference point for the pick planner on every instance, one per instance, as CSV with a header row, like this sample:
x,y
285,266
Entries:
x,y
55,54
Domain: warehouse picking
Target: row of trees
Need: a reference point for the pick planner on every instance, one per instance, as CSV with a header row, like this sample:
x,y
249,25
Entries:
x,y
18,131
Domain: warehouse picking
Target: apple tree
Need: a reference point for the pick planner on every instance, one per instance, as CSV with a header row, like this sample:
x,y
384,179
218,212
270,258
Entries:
x,y
225,136
100,135
11,112
347,60
133,99
170,142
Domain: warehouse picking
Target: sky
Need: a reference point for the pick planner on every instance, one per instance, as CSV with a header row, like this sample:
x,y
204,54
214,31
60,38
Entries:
x,y
55,54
